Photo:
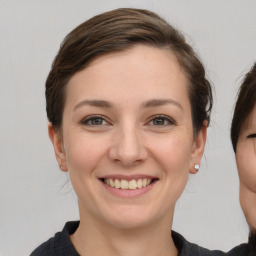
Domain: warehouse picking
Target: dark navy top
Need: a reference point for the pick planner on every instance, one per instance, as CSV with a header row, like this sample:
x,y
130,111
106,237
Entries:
x,y
61,245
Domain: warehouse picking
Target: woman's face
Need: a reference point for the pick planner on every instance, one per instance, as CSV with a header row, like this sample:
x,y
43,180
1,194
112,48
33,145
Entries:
x,y
127,137
246,164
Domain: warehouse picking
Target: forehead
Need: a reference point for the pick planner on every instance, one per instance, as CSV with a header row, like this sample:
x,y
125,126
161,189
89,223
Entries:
x,y
146,61
139,72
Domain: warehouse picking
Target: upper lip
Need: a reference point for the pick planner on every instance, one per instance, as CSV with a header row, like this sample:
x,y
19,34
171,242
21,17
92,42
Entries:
x,y
127,177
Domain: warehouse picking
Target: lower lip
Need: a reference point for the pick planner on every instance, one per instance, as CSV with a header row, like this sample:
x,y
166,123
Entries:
x,y
128,193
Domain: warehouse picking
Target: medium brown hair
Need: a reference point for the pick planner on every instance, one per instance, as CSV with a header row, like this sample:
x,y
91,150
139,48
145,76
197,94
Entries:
x,y
244,105
119,30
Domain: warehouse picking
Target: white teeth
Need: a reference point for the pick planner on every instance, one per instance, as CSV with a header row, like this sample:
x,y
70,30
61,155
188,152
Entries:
x,y
139,183
117,183
112,183
132,184
125,184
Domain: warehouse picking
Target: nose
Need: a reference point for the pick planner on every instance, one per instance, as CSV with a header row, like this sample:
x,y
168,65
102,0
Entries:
x,y
128,147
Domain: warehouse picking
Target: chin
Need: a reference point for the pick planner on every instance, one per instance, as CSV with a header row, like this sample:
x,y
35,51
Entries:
x,y
131,217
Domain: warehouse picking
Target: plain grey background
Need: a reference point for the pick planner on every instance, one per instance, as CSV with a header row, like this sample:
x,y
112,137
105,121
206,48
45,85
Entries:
x,y
34,204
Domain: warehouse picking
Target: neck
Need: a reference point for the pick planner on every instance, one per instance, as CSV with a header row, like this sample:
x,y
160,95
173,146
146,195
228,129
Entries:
x,y
95,238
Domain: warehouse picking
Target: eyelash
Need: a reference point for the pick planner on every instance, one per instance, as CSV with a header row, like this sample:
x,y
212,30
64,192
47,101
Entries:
x,y
251,136
92,118
167,119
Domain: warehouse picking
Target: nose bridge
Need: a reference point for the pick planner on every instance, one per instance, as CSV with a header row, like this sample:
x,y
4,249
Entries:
x,y
128,146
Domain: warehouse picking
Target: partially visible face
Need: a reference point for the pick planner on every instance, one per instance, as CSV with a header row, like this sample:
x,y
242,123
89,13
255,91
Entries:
x,y
127,137
246,164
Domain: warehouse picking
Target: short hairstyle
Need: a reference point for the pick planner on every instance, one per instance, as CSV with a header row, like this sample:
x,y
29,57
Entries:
x,y
244,105
118,30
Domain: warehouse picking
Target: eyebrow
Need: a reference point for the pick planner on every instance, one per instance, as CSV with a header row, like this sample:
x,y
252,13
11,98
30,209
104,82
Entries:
x,y
94,103
148,104
161,102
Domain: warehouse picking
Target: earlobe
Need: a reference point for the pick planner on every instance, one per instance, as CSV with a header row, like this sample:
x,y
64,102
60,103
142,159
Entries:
x,y
198,149
58,147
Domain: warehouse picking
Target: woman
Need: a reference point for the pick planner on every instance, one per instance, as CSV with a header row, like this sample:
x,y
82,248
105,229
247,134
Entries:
x,y
243,136
128,105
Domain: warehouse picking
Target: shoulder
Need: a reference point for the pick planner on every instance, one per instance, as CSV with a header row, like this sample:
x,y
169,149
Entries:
x,y
47,248
246,249
241,250
60,244
186,248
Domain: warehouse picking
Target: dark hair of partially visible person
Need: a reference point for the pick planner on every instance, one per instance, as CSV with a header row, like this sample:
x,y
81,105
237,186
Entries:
x,y
244,105
252,243
119,30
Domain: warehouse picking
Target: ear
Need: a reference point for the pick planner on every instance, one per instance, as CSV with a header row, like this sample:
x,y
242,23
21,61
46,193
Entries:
x,y
198,148
58,147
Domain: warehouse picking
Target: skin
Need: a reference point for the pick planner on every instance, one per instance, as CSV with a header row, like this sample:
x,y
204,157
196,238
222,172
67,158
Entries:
x,y
246,164
128,137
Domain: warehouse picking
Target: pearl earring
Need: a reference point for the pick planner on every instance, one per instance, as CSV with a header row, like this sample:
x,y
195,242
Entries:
x,y
197,166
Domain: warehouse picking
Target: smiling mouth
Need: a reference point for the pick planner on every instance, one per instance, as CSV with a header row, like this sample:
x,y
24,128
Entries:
x,y
128,184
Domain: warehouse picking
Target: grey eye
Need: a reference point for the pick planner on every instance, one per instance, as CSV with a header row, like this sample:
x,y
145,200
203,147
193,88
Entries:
x,y
161,121
94,121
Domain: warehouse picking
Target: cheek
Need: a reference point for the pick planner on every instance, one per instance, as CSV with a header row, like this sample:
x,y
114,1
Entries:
x,y
83,153
246,164
174,154
175,159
